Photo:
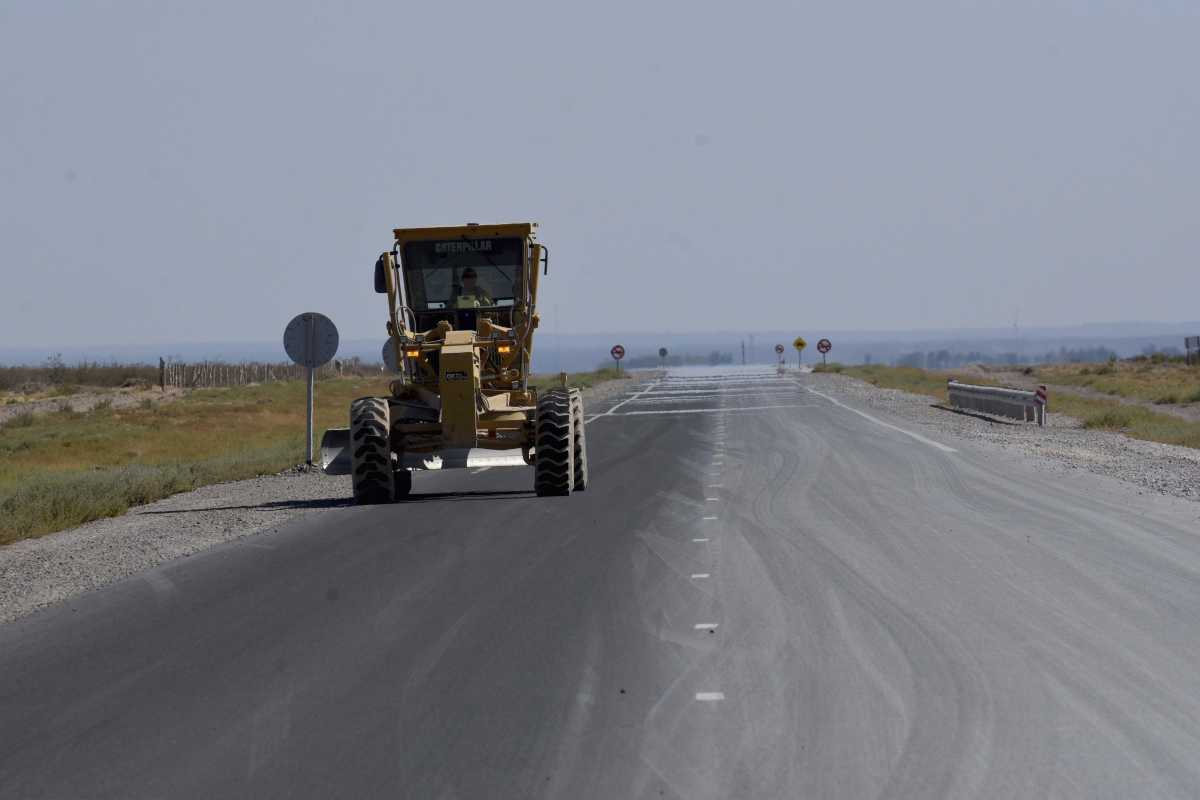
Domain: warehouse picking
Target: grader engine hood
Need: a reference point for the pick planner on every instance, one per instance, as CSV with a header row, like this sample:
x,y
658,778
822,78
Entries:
x,y
459,383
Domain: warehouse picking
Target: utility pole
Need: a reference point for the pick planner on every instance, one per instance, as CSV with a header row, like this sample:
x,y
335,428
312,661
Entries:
x,y
752,347
743,352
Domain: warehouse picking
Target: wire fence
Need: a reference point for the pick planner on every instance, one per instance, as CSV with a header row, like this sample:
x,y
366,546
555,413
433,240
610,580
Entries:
x,y
214,374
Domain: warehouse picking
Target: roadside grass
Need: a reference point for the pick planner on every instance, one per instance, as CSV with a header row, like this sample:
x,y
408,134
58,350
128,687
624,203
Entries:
x,y
1093,412
65,468
1143,380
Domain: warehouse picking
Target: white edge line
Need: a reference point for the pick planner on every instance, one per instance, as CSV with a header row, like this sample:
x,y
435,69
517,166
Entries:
x,y
917,436
706,626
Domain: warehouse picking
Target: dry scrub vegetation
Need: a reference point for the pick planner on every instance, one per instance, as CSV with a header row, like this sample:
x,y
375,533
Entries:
x,y
65,468
1144,379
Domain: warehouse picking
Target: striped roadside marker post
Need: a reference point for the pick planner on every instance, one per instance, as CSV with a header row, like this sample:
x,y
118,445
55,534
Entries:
x,y
1040,399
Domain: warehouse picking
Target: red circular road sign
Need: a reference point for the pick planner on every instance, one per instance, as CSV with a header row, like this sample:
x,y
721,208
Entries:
x,y
779,349
824,346
617,352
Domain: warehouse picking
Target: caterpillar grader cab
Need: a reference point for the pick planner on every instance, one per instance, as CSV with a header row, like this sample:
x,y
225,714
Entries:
x,y
462,311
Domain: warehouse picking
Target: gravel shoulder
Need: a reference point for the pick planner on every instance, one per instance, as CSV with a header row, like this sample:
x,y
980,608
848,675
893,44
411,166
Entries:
x,y
35,573
1062,445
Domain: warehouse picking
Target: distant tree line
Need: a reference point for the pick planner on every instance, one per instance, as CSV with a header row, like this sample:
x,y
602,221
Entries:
x,y
947,359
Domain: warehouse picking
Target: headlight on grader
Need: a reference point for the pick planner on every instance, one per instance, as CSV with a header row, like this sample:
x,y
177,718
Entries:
x,y
413,352
504,348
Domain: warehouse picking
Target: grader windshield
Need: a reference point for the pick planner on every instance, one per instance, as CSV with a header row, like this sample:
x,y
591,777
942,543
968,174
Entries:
x,y
463,274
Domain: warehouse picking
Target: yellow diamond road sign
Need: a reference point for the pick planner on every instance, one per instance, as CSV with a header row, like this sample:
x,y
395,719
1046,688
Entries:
x,y
799,344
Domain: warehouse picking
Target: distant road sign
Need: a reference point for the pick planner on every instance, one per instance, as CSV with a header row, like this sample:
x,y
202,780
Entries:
x,y
310,339
618,352
824,346
799,343
779,349
662,352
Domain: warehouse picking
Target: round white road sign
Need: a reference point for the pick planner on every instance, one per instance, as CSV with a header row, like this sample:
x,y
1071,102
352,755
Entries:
x,y
310,339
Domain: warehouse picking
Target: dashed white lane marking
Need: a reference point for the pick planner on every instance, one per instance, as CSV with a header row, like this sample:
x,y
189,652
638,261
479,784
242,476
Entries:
x,y
706,626
716,486
699,540
713,499
710,517
896,428
698,575
710,697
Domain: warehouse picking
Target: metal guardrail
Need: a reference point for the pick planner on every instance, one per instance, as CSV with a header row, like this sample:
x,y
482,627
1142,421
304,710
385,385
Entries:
x,y
1012,403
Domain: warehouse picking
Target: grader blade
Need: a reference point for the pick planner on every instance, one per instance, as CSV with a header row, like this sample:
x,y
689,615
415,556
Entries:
x,y
465,458
335,451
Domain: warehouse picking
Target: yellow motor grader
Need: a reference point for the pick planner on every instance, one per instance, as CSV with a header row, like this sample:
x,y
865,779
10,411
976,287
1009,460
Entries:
x,y
462,309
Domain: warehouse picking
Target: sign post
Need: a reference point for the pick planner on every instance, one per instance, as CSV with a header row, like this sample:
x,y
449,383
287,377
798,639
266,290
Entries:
x,y
799,344
617,352
823,347
311,340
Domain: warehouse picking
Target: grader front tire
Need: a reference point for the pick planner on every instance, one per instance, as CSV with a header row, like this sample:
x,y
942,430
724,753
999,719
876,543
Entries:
x,y
580,437
371,451
554,440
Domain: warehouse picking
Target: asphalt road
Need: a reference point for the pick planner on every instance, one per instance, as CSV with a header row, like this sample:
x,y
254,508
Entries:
x,y
763,594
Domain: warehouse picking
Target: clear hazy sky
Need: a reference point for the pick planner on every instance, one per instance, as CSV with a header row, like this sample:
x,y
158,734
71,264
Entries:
x,y
200,171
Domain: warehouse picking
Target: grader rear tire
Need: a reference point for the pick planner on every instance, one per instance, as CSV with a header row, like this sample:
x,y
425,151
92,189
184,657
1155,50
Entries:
x,y
580,436
554,440
371,451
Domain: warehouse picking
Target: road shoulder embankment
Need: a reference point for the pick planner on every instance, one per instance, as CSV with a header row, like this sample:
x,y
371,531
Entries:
x,y
1063,444
38,572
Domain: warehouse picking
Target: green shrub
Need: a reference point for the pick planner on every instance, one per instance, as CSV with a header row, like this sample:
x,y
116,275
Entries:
x,y
22,420
1114,419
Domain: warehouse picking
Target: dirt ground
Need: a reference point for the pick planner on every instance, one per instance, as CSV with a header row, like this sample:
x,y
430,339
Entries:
x,y
86,400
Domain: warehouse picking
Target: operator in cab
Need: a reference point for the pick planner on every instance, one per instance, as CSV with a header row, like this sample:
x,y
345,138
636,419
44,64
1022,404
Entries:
x,y
472,295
